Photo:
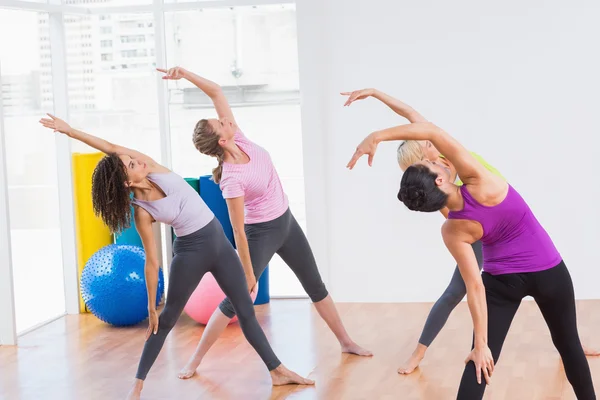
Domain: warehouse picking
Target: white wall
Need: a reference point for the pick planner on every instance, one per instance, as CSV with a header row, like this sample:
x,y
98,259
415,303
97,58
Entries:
x,y
515,81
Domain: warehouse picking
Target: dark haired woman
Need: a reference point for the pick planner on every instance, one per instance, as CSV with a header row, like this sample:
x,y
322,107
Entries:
x,y
160,195
263,224
519,256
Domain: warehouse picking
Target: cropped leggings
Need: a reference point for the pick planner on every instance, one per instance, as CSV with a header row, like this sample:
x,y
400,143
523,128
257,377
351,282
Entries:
x,y
552,290
282,236
206,250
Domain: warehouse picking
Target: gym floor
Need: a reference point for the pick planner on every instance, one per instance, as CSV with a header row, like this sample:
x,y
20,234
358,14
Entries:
x,y
79,357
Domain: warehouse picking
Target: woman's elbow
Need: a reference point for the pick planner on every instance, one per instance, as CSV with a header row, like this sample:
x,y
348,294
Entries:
x,y
152,265
476,288
238,231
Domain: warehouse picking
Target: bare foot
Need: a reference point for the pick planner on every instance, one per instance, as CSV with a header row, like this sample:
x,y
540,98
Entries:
x,y
136,390
190,368
283,376
413,362
353,348
591,352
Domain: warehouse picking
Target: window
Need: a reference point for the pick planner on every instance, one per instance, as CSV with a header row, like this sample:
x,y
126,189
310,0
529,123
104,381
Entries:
x,y
106,30
123,102
134,53
104,3
133,39
252,53
32,174
106,43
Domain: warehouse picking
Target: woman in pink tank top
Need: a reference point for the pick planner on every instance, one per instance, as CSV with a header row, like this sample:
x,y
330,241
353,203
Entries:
x,y
160,195
263,224
519,257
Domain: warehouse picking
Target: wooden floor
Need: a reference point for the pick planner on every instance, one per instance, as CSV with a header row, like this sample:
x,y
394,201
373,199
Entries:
x,y
78,357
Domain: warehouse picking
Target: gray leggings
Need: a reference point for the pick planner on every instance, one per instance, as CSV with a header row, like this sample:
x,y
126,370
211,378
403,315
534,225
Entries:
x,y
285,237
206,250
442,308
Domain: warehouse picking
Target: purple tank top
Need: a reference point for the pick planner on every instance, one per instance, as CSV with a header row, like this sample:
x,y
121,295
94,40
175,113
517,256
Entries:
x,y
182,208
513,239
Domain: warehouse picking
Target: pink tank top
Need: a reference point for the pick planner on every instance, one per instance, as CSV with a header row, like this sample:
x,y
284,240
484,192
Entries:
x,y
513,239
257,181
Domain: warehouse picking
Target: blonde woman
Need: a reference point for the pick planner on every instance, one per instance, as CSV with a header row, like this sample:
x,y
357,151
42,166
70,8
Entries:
x,y
411,152
262,221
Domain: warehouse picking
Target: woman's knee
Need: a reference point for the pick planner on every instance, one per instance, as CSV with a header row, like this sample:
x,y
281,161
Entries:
x,y
167,320
453,296
245,312
317,292
227,308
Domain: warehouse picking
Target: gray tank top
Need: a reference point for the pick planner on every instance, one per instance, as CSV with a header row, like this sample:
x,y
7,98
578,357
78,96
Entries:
x,y
182,208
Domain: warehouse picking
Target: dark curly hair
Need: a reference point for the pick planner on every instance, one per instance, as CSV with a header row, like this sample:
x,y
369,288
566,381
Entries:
x,y
110,196
418,190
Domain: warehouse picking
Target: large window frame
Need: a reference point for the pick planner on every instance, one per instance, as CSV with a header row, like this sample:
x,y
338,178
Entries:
x,y
56,11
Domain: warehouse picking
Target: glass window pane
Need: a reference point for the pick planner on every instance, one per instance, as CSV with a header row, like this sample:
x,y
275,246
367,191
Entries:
x,y
31,162
252,53
112,80
106,3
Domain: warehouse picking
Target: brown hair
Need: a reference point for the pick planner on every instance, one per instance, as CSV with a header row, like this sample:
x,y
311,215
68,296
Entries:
x,y
111,198
206,142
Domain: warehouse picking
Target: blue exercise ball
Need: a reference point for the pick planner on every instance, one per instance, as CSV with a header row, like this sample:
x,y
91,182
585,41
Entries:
x,y
113,285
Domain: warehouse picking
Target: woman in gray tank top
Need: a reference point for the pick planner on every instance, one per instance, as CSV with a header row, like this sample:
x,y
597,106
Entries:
x,y
160,195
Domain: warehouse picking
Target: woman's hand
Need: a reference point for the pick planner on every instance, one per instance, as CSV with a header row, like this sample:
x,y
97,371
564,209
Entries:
x,y
357,95
56,124
483,360
251,283
174,74
152,323
367,146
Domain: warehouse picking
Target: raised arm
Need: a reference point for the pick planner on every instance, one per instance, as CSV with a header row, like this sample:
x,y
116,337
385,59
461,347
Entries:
x,y
211,89
400,108
467,167
143,224
235,207
458,241
58,125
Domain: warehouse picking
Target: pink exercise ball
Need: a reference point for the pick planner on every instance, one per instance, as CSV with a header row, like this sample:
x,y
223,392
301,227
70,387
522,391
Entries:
x,y
206,299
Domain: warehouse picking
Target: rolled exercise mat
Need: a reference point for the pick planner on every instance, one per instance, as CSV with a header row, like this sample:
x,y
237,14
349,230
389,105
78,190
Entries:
x,y
213,197
90,232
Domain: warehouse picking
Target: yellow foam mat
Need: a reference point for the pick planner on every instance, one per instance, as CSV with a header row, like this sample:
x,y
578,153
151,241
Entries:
x,y
91,233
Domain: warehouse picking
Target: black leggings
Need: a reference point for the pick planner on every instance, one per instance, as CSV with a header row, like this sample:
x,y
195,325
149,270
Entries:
x,y
552,290
285,237
206,250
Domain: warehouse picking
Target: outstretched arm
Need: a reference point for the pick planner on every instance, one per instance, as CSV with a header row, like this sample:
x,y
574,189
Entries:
x,y
459,243
58,125
400,108
236,215
143,224
211,89
466,165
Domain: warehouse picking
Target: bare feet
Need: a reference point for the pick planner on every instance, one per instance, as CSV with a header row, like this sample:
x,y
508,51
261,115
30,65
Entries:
x,y
283,376
190,368
136,390
591,352
413,362
353,348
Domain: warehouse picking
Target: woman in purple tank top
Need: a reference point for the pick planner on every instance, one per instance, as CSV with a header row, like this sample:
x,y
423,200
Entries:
x,y
519,256
160,195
